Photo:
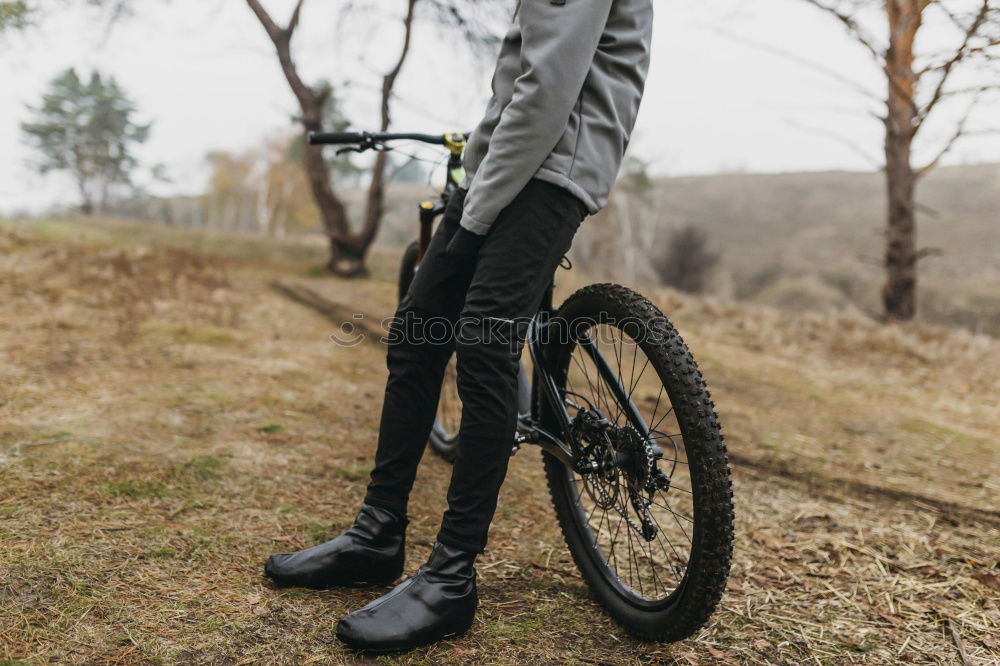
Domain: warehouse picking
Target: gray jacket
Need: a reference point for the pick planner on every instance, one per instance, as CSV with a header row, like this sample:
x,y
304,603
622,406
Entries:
x,y
565,97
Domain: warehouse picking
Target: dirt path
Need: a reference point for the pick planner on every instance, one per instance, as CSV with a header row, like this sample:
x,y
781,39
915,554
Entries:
x,y
167,419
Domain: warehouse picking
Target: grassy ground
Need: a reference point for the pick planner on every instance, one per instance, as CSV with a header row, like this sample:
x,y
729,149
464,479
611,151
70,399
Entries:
x,y
167,420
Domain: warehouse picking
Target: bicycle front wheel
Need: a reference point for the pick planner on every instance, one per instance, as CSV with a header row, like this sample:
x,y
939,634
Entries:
x,y
648,513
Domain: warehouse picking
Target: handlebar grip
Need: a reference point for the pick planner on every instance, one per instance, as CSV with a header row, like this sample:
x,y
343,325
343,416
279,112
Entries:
x,y
334,138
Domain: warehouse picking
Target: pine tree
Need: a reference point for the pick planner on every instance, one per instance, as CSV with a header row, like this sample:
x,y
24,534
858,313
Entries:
x,y
89,131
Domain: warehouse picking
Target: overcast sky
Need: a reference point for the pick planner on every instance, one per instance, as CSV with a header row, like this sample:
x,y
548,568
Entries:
x,y
720,97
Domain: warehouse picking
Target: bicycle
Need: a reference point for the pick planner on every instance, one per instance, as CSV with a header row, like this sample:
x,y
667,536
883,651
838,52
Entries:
x,y
623,476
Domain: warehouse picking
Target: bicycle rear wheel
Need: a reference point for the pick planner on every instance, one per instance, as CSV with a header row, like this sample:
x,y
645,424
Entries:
x,y
648,515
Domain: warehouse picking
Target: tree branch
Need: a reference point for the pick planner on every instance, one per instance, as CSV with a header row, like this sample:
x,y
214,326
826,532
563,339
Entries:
x,y
836,136
949,66
958,134
272,29
853,28
974,90
880,54
979,49
376,190
293,23
389,81
282,37
925,252
803,62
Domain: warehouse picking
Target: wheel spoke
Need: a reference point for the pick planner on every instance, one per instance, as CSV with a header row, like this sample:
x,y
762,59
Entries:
x,y
661,533
677,556
669,510
676,518
656,406
633,561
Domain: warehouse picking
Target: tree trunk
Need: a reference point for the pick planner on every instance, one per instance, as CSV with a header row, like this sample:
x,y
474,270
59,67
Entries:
x,y
899,295
332,211
86,201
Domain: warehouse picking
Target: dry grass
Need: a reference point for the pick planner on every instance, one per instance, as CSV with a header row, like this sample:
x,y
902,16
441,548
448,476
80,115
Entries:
x,y
167,421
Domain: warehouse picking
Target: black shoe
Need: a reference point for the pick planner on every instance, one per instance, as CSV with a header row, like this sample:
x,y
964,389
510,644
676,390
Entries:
x,y
440,601
371,552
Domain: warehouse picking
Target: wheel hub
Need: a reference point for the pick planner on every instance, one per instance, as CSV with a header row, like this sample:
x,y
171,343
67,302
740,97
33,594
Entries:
x,y
610,451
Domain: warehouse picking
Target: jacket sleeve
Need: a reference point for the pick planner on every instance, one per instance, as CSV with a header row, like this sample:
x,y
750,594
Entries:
x,y
558,43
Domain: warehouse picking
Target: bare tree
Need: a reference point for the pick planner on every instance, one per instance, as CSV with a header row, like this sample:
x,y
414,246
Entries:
x,y
687,262
918,84
349,247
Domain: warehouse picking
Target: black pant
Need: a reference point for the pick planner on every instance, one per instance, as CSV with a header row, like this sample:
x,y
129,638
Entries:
x,y
478,309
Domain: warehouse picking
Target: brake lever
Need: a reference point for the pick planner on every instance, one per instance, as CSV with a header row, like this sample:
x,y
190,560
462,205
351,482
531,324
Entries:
x,y
367,145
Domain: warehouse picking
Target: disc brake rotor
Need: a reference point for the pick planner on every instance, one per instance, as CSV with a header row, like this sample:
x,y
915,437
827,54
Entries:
x,y
598,469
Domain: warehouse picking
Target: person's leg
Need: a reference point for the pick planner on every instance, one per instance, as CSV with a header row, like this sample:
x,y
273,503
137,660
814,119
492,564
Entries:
x,y
420,344
372,551
513,271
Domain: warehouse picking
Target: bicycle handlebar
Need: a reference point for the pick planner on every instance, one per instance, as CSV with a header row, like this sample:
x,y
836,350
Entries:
x,y
341,138
369,139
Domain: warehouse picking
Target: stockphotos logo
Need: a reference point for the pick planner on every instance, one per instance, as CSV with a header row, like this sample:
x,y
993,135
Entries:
x,y
411,329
